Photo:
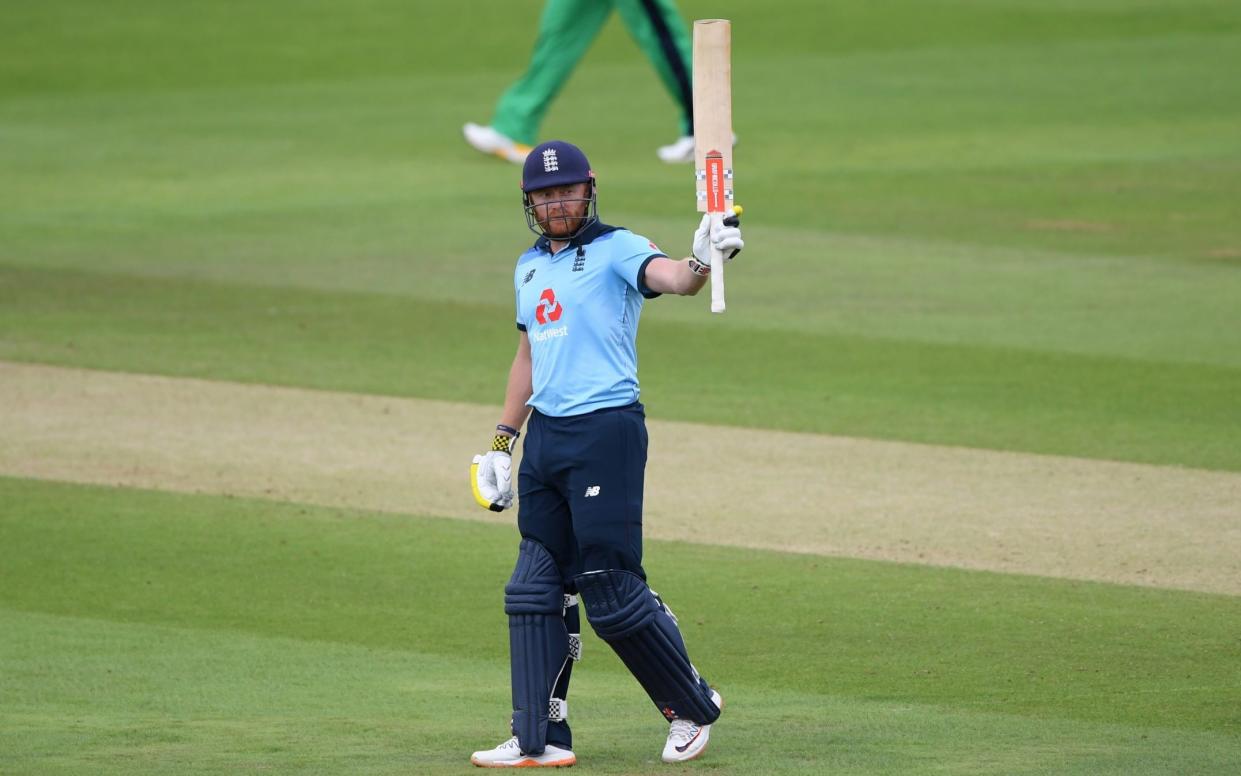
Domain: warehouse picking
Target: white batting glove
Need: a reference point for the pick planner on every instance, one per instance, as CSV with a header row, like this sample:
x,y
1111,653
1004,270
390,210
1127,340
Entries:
x,y
724,238
491,479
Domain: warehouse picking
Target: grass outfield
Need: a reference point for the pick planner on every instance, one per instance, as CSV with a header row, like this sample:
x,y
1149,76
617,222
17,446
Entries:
x,y
147,632
971,395
1006,225
984,225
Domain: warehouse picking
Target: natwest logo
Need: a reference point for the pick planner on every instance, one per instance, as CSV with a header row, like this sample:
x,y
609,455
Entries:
x,y
548,310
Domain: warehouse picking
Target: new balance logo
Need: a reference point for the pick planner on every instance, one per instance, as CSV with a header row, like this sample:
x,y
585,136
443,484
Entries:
x,y
592,490
550,162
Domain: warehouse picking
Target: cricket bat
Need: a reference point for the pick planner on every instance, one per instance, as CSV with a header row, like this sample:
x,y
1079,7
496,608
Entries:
x,y
713,134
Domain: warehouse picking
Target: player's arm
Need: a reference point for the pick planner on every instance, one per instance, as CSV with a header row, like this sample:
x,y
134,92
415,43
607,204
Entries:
x,y
687,276
491,475
520,386
667,276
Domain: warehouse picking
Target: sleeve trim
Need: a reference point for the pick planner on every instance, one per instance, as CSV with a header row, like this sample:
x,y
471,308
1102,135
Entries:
x,y
642,287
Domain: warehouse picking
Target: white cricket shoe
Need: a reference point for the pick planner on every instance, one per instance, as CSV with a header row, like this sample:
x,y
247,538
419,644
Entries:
x,y
686,738
508,755
489,141
680,151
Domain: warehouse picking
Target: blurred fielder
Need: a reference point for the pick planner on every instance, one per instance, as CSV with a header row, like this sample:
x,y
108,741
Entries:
x,y
579,293
566,30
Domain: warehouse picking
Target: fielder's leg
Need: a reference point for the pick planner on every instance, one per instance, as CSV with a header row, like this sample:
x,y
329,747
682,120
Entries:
x,y
566,30
662,34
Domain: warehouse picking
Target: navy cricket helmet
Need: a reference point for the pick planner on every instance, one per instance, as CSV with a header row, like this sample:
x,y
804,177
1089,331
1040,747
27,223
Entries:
x,y
558,163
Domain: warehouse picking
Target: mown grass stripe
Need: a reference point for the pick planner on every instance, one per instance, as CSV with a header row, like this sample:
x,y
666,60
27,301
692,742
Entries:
x,y
108,697
968,395
1016,645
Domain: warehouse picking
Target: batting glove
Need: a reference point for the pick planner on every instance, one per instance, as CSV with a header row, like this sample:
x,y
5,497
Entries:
x,y
726,238
491,476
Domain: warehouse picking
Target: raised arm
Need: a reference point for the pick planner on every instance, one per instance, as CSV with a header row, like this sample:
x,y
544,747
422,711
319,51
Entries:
x,y
687,276
668,276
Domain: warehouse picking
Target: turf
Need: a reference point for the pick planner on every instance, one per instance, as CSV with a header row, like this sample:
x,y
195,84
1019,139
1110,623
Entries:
x,y
1005,225
973,395
201,634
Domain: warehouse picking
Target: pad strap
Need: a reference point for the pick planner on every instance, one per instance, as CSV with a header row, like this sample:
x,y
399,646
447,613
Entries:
x,y
571,621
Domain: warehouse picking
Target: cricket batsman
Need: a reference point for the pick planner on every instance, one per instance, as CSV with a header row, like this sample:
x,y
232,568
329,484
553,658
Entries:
x,y
573,384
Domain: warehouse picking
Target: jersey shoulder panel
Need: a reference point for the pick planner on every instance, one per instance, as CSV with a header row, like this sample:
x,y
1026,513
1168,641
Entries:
x,y
629,254
628,244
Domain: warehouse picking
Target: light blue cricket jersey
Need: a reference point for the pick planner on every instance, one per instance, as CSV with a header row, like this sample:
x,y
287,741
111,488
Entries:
x,y
580,309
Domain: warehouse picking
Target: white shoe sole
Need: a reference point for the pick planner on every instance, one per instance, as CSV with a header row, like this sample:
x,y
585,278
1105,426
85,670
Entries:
x,y
502,757
529,762
488,141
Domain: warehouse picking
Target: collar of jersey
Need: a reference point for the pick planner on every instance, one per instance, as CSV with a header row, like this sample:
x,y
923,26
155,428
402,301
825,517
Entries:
x,y
586,237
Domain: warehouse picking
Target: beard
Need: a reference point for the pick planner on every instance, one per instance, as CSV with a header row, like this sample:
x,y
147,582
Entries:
x,y
564,223
560,219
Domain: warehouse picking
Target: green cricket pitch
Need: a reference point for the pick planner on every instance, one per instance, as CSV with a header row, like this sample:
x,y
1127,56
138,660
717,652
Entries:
x,y
975,392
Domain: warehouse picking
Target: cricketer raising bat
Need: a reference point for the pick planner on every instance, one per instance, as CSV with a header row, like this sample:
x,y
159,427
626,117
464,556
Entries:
x,y
713,135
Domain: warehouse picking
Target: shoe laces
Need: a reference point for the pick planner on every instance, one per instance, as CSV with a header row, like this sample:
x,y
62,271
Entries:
x,y
510,744
683,730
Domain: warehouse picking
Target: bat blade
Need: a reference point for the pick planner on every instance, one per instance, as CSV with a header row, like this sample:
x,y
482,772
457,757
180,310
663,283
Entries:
x,y
713,133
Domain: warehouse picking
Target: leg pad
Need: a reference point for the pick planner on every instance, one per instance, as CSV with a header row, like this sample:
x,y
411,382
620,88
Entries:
x,y
635,623
538,642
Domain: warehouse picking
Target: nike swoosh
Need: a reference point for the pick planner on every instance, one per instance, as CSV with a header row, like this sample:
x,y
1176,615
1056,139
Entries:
x,y
692,740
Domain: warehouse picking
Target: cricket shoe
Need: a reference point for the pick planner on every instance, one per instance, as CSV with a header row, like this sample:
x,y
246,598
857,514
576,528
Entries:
x,y
508,755
686,738
680,151
489,141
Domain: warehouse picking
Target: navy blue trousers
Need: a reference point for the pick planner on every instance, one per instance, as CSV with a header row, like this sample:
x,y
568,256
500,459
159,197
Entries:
x,y
580,489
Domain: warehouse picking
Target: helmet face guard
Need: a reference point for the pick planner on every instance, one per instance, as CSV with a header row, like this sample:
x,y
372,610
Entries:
x,y
554,164
589,216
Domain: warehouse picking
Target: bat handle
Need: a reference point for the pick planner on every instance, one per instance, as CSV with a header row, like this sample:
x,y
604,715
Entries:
x,y
717,270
